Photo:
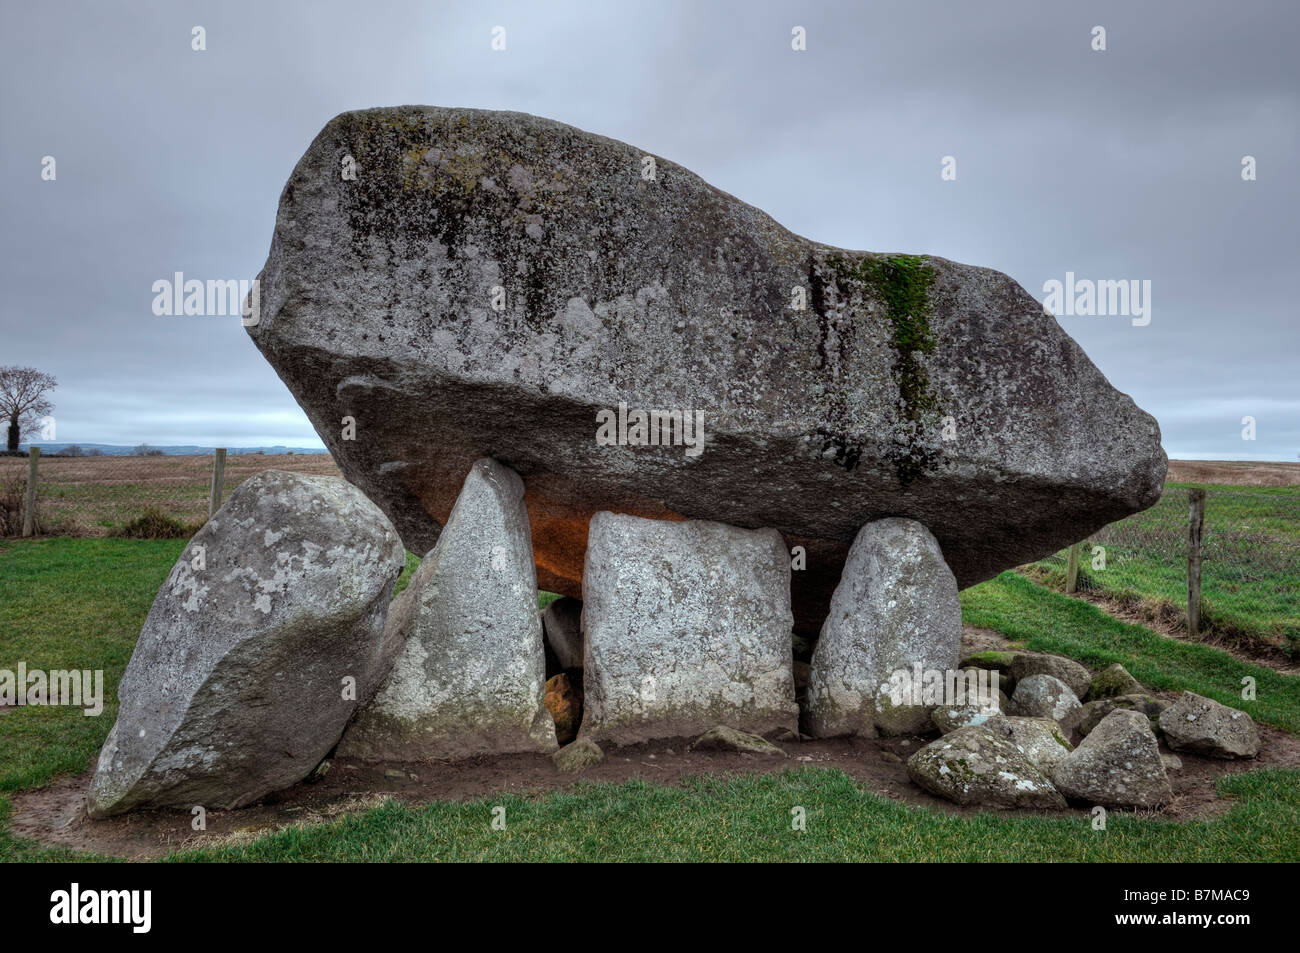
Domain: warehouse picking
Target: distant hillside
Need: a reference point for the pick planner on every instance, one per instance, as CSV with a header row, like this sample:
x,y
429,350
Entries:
x,y
113,450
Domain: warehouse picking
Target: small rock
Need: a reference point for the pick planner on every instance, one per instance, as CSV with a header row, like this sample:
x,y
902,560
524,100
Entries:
x,y
1043,696
1111,681
1117,765
890,757
993,661
723,738
1039,739
1171,762
975,766
1200,725
951,717
580,754
1091,714
1074,675
564,703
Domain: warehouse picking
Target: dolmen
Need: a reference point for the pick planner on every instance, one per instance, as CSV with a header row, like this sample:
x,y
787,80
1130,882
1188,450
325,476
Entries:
x,y
544,358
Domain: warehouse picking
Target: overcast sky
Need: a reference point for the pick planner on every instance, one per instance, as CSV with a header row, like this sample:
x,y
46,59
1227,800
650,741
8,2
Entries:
x,y
1122,164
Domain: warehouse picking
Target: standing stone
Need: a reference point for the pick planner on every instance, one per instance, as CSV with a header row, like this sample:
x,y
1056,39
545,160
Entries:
x,y
562,626
824,375
472,672
896,607
688,626
1117,765
267,633
1199,725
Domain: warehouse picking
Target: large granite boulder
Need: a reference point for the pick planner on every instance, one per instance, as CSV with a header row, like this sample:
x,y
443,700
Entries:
x,y
894,611
1198,725
267,634
462,283
471,676
688,626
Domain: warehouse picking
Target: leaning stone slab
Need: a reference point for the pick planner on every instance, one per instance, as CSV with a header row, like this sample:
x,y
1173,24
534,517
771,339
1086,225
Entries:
x,y
267,633
1117,765
488,282
1198,725
894,611
472,672
688,626
975,766
562,627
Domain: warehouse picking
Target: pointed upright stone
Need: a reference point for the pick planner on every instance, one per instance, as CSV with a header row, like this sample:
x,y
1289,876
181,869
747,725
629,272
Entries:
x,y
470,678
895,608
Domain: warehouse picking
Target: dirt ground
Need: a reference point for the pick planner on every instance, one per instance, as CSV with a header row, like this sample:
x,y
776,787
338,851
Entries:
x,y
57,814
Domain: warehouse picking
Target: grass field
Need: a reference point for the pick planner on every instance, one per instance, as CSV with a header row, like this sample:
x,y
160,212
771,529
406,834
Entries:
x,y
94,496
81,602
1250,575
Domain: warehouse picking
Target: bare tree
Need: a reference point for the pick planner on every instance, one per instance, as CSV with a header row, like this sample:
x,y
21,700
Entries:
x,y
23,399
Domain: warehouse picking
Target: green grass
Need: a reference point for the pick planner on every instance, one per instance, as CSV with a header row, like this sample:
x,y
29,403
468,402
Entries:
x,y
749,818
1250,563
1051,622
71,603
81,602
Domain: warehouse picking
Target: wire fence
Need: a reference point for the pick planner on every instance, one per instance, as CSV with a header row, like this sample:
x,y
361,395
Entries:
x,y
1249,564
129,495
1249,555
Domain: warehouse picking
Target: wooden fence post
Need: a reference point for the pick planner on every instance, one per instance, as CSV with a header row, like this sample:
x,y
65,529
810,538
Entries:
x,y
29,511
1195,532
218,476
1072,569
